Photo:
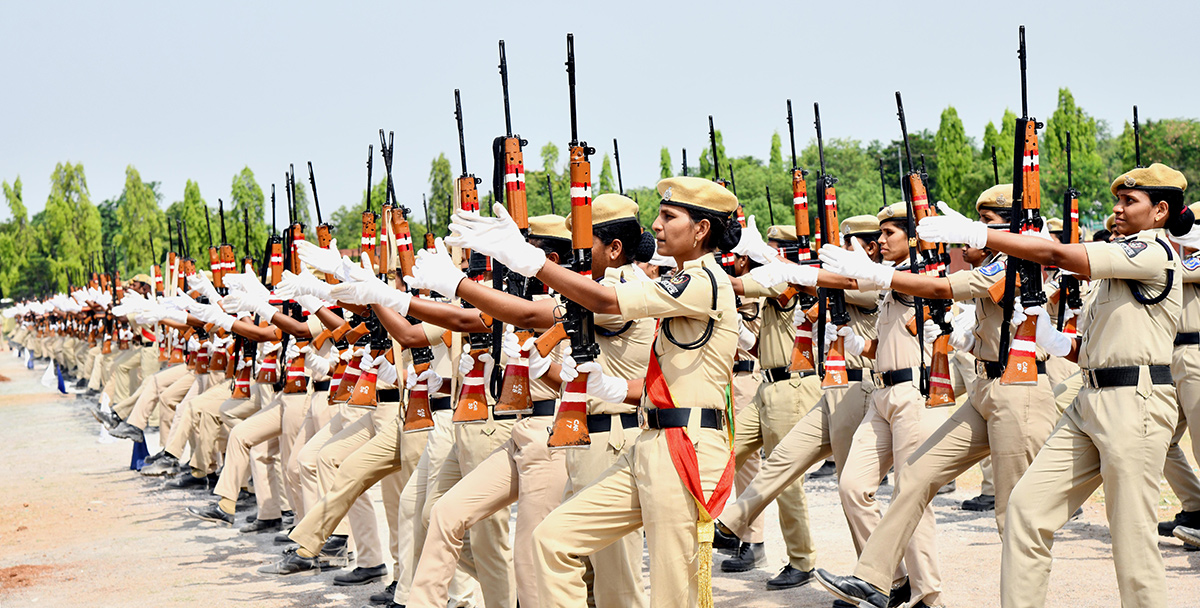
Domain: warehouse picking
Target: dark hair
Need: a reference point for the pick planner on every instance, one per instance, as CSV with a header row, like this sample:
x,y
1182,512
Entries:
x,y
1102,235
560,246
1005,213
637,245
1179,218
724,233
901,222
867,237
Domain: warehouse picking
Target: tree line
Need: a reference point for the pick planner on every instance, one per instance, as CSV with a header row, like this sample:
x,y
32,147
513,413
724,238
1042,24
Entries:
x,y
73,235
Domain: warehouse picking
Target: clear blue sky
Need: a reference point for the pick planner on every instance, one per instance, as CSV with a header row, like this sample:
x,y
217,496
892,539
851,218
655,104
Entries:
x,y
199,90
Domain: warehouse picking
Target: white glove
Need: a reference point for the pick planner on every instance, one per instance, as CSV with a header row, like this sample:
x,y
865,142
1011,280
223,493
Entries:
x,y
435,271
310,304
292,351
319,366
497,237
200,283
778,271
853,343
372,291
465,363
328,261
1018,315
293,285
385,372
177,316
410,377
538,365
600,386
932,331
831,334
193,344
952,227
1056,343
746,338
962,337
431,379
263,309
270,347
856,264
247,283
752,245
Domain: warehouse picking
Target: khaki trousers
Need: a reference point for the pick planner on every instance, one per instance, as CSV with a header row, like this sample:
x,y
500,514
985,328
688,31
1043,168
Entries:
x,y
894,428
168,400
986,487
308,461
523,470
1117,437
438,443
206,455
642,489
1178,471
1009,422
826,431
316,417
101,370
151,393
264,427
775,409
126,370
614,576
401,529
362,454
491,550
1185,370
745,385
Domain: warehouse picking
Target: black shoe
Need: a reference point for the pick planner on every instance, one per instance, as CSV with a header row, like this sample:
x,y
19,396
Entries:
x,y
827,470
900,595
283,539
125,430
187,481
245,498
851,589
259,526
748,557
1188,535
724,539
839,603
385,596
289,518
789,577
211,513
290,563
163,465
389,604
153,458
1189,519
1077,514
983,502
360,576
948,488
335,553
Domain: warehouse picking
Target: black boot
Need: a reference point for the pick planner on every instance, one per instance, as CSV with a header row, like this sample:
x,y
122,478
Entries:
x,y
335,553
1189,519
852,589
900,594
748,557
360,576
724,539
259,526
829,469
983,502
124,430
211,513
187,481
290,563
385,596
789,577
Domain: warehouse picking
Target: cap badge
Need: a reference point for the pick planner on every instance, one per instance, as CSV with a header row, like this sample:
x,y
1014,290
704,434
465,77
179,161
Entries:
x,y
667,194
1129,181
1000,200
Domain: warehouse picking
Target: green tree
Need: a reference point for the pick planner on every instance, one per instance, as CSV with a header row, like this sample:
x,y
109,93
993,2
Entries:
x,y
441,192
69,228
706,160
665,169
246,202
955,158
191,214
137,217
776,156
16,204
549,157
606,183
1087,166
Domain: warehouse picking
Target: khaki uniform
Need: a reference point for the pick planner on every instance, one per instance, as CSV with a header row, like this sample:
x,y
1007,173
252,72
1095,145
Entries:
x,y
1185,370
775,410
826,431
151,394
1116,436
643,488
1008,422
745,386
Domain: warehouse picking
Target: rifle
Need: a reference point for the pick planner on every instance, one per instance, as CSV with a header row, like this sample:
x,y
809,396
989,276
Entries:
x,y
224,253
512,389
429,238
367,245
268,371
935,382
187,267
417,415
995,168
471,405
685,162
1068,284
155,270
770,211
550,191
617,159
1020,366
570,423
295,381
1137,139
832,368
716,164
802,348
214,256
172,268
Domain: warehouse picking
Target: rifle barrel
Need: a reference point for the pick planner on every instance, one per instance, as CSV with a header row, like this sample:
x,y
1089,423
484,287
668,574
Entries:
x,y
712,138
462,146
1137,139
571,86
791,133
1021,56
995,168
504,84
370,155
820,141
312,180
221,210
883,182
770,211
617,157
904,129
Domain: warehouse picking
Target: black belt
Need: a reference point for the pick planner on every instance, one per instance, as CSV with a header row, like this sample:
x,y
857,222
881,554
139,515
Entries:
x,y
994,369
743,366
321,385
1129,375
602,423
776,374
678,417
854,374
439,403
1191,337
387,395
544,407
894,377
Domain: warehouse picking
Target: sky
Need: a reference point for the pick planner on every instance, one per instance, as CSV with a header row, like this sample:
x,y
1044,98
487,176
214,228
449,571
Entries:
x,y
200,90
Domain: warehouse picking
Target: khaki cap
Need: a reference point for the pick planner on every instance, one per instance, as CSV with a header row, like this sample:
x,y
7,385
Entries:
x,y
999,196
549,226
1157,176
860,224
1054,224
698,193
142,278
1110,222
608,208
782,233
894,211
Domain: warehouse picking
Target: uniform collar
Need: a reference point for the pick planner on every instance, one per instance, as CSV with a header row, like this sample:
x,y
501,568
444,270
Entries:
x,y
620,274
707,259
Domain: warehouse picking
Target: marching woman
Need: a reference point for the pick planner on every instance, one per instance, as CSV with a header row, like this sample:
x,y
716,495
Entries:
x,y
678,474
1117,431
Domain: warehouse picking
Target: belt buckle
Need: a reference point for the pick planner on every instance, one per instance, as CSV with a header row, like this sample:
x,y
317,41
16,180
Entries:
x,y
642,422
877,380
1089,377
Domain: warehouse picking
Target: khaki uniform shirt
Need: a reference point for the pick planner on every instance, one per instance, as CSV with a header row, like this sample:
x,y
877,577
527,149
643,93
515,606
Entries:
x,y
863,307
989,316
699,377
750,317
1115,329
777,334
1189,322
626,354
897,349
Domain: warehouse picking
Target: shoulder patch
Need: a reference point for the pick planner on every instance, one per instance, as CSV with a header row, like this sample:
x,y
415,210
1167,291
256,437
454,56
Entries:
x,y
1191,262
1133,247
992,269
675,285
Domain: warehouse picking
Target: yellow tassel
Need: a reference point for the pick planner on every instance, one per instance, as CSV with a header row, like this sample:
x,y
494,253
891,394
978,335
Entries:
x,y
704,533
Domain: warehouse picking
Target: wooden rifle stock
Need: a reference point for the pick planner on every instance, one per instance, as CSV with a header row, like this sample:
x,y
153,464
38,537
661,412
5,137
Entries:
x,y
1021,368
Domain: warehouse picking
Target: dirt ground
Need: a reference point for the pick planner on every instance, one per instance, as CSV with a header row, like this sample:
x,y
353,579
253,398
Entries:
x,y
78,528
